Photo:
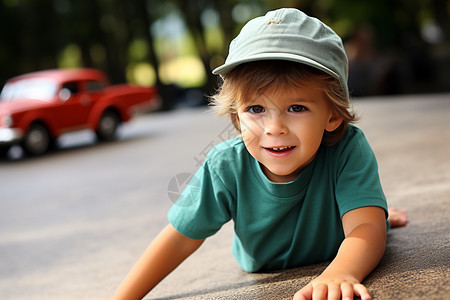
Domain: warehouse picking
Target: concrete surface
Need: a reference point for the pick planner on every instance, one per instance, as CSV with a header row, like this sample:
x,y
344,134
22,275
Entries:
x,y
411,138
72,223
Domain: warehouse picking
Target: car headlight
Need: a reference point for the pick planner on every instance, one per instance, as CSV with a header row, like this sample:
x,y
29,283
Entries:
x,y
6,121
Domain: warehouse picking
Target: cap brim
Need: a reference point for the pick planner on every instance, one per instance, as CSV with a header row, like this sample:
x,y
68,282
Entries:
x,y
228,66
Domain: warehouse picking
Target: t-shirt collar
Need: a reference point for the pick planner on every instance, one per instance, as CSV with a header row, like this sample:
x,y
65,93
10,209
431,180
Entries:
x,y
286,190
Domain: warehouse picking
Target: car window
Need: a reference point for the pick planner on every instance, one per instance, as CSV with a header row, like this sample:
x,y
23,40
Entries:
x,y
94,85
71,86
33,88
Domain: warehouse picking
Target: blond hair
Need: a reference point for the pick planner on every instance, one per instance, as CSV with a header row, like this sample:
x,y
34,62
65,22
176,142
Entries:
x,y
254,78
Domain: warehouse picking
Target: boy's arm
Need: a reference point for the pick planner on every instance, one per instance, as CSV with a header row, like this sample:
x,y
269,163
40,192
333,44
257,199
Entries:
x,y
359,253
162,256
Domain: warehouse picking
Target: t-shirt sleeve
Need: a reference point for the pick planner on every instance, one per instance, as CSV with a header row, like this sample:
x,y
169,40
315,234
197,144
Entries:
x,y
203,207
358,183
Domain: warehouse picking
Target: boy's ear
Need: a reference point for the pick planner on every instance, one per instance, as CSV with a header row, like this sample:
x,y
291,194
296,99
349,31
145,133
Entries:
x,y
238,122
334,122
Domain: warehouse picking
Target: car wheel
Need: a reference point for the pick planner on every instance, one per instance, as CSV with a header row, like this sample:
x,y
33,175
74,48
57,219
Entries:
x,y
37,140
107,126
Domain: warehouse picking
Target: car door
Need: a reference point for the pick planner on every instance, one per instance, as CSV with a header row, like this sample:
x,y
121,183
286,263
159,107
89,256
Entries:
x,y
74,108
95,89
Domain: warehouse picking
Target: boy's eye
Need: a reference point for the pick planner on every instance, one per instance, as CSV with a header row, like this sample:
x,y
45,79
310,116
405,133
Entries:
x,y
297,108
255,109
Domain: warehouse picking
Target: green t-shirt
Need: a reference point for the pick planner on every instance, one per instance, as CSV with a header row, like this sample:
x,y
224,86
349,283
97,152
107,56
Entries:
x,y
279,225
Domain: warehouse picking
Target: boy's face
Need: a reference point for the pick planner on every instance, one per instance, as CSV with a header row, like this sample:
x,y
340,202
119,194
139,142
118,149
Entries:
x,y
283,129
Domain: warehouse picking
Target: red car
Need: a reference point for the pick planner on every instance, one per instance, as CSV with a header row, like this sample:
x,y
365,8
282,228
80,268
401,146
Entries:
x,y
37,108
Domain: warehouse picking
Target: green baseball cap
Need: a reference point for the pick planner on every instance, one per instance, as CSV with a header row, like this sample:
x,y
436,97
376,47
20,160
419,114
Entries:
x,y
289,34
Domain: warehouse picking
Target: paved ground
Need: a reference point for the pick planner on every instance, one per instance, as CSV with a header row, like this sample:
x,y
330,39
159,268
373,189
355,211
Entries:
x,y
72,223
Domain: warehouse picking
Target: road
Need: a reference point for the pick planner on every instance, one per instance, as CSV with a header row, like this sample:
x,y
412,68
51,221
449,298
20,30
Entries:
x,y
66,215
74,221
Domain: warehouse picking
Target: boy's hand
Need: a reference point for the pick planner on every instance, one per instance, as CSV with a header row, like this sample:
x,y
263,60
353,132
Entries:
x,y
333,288
360,252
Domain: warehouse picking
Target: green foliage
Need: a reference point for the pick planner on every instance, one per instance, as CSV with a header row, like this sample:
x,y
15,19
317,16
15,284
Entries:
x,y
117,36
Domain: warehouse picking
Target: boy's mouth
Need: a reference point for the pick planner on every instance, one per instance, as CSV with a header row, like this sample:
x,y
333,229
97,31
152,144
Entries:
x,y
280,149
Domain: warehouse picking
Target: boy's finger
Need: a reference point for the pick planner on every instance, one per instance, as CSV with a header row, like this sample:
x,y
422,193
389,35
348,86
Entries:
x,y
304,294
334,292
320,291
347,291
362,292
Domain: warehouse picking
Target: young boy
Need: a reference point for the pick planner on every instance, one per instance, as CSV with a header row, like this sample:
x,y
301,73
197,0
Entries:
x,y
300,183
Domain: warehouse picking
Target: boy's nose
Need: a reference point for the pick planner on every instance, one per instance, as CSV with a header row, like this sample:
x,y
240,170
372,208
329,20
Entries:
x,y
274,125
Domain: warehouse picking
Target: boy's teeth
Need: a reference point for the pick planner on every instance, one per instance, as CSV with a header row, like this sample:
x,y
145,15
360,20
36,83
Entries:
x,y
280,148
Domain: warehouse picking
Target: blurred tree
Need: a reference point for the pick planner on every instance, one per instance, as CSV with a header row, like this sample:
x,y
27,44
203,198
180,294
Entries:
x,y
147,12
99,26
27,37
441,10
52,33
191,12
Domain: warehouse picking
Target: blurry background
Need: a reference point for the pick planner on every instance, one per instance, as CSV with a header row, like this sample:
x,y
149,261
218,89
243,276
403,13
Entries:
x,y
394,47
